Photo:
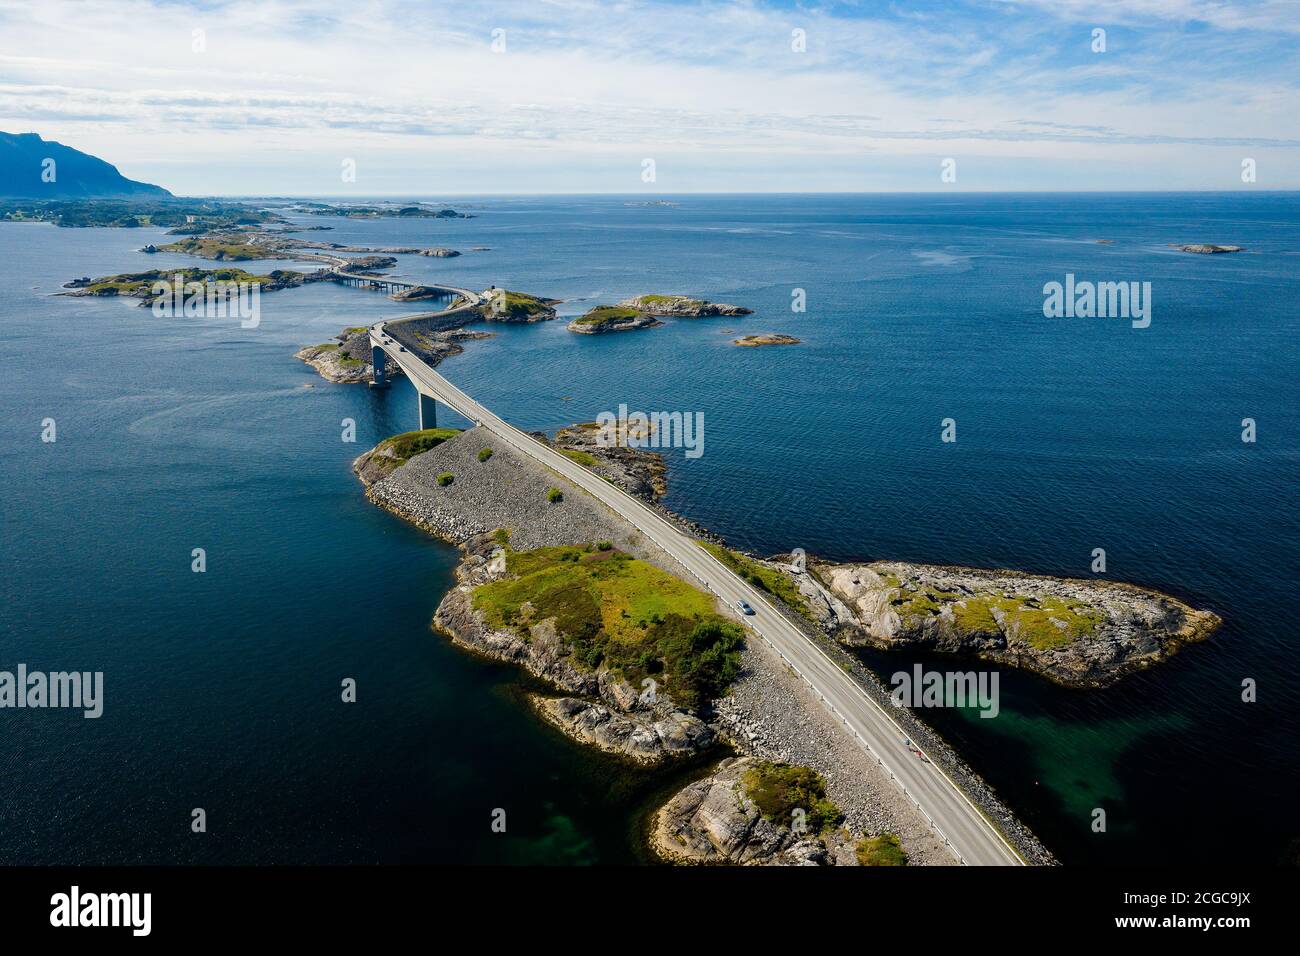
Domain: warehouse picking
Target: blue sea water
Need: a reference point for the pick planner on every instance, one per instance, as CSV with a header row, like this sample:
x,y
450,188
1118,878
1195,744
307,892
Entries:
x,y
1072,434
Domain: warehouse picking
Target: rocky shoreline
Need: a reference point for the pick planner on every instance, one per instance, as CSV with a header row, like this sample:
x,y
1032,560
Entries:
x,y
767,713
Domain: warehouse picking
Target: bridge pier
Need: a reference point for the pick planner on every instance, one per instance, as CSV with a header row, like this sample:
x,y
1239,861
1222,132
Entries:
x,y
428,412
377,359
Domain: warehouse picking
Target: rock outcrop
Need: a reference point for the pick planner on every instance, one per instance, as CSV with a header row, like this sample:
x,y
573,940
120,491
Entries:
x,y
1081,633
766,338
714,820
636,470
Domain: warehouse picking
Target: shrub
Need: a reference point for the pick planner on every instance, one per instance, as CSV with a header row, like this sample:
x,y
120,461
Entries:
x,y
883,850
484,454
604,545
446,478
779,789
554,494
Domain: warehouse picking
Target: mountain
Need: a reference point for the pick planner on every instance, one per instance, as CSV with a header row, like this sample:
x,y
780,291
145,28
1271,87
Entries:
x,y
24,159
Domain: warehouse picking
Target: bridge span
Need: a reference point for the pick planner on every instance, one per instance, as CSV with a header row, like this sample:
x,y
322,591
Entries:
x,y
962,827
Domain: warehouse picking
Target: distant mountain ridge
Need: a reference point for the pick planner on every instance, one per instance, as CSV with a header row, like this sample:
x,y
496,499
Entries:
x,y
24,158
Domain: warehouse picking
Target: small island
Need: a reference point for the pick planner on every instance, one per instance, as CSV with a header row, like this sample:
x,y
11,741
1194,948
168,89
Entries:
x,y
140,285
1207,249
681,306
765,338
502,305
1075,632
612,318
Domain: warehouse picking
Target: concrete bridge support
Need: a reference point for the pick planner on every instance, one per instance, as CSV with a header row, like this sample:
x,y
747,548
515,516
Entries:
x,y
428,412
377,359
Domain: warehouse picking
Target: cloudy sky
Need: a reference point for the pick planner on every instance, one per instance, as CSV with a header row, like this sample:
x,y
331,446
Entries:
x,y
431,98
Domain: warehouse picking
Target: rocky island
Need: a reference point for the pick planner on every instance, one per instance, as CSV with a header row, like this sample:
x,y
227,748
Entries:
x,y
140,285
502,305
681,306
1207,249
612,318
1080,633
348,361
765,338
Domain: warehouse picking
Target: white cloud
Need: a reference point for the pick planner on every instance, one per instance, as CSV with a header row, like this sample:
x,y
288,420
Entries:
x,y
417,86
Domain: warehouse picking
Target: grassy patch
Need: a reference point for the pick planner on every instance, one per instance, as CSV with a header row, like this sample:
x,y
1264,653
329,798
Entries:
x,y
761,576
883,850
581,457
606,315
484,454
975,616
921,603
1051,622
409,444
778,789
446,478
554,495
1044,624
617,611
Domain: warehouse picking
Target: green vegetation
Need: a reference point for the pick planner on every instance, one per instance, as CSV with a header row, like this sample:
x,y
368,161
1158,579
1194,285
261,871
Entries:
x,y
554,495
761,576
222,247
140,284
501,536
778,789
507,306
446,478
581,457
650,300
133,213
1044,624
883,850
409,444
484,454
607,315
617,611
379,212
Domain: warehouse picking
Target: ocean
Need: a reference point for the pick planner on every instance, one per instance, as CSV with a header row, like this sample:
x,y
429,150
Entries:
x,y
222,689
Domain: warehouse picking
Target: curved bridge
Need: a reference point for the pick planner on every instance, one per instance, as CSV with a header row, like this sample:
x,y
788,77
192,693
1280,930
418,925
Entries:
x,y
954,818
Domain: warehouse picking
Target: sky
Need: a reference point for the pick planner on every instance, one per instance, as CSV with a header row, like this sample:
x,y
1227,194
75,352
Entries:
x,y
286,97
